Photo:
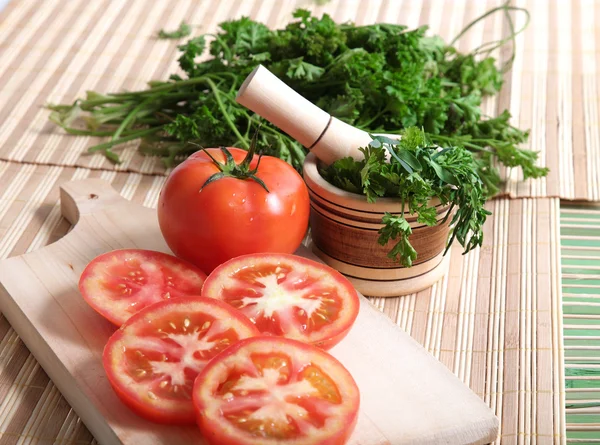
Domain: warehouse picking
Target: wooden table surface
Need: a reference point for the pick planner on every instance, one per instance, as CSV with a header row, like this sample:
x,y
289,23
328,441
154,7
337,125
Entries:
x,y
496,320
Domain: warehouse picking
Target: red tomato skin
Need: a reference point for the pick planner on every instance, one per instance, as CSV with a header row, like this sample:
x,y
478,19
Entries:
x,y
143,410
231,217
215,436
332,341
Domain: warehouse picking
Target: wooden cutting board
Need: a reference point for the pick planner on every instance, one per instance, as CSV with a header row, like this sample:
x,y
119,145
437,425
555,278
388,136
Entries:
x,y
407,396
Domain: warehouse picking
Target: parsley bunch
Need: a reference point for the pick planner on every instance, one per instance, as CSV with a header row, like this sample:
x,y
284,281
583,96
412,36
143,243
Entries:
x,y
381,78
417,171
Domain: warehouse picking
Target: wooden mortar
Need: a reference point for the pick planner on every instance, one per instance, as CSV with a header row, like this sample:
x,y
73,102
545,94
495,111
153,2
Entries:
x,y
344,231
344,226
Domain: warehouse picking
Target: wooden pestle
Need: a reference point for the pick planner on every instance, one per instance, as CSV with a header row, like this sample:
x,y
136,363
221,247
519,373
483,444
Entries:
x,y
324,135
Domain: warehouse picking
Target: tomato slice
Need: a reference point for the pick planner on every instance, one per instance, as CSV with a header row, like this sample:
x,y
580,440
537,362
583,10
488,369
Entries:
x,y
120,283
287,295
153,359
272,390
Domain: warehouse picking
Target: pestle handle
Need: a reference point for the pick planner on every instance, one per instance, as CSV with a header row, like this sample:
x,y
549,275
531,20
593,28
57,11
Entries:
x,y
327,137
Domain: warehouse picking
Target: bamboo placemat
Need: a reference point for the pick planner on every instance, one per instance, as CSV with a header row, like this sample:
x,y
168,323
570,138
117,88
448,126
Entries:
x,y
53,51
580,241
495,320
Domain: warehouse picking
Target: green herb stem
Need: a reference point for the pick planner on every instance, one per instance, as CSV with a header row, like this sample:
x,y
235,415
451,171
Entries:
x,y
130,137
232,126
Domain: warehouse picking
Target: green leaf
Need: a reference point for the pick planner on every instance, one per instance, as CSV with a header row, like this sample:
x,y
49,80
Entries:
x,y
301,13
383,140
112,156
410,159
184,30
443,174
190,51
397,228
298,69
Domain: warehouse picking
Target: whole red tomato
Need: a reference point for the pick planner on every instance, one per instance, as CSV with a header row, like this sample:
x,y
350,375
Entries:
x,y
222,203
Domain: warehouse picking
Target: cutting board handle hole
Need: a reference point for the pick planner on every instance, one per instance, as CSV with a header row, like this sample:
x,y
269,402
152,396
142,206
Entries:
x,y
87,196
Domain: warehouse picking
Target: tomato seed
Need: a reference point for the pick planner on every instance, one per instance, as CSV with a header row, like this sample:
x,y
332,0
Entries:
x,y
163,384
152,395
186,322
172,325
141,372
121,285
206,325
280,276
277,269
132,274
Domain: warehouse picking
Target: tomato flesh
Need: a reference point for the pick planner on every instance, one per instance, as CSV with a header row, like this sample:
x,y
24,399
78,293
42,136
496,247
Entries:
x,y
120,283
287,295
153,359
273,390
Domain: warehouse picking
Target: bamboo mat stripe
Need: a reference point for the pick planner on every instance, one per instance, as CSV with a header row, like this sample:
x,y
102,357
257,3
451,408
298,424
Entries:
x,y
55,51
495,320
580,246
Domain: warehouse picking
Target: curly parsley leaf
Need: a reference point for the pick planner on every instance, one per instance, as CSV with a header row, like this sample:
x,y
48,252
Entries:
x,y
397,228
184,30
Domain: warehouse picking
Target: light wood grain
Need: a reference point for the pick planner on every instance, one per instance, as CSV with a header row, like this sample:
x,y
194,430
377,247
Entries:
x,y
266,95
388,283
420,402
327,137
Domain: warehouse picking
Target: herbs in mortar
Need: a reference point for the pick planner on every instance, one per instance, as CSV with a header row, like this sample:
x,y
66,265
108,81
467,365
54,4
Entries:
x,y
414,170
381,78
